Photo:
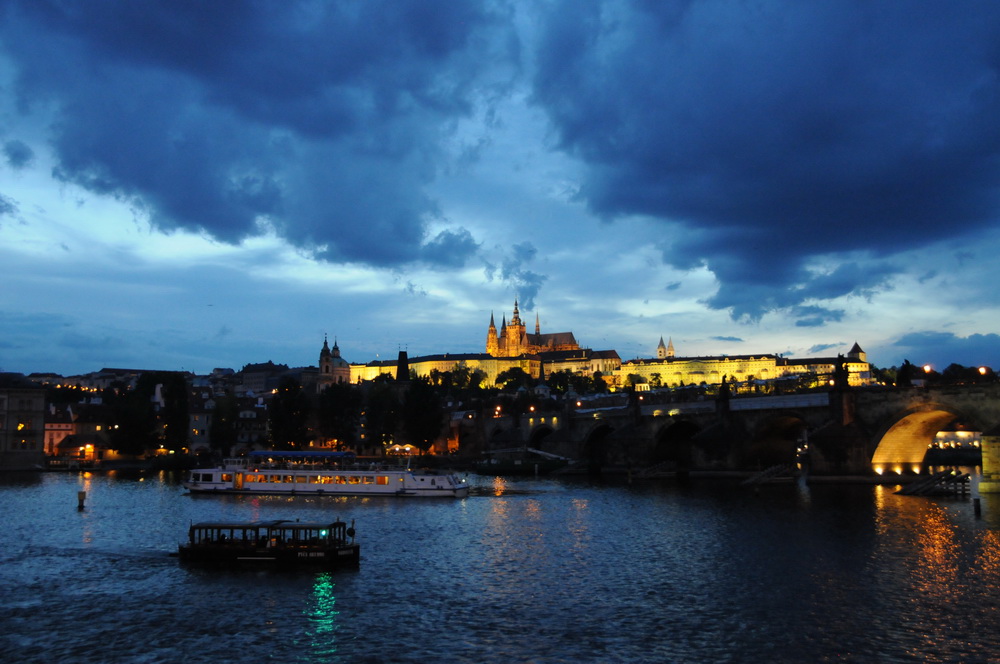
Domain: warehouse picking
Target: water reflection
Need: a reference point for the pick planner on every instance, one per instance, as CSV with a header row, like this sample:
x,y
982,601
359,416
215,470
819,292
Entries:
x,y
546,571
323,618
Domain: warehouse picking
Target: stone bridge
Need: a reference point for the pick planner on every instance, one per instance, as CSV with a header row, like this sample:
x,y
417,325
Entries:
x,y
843,431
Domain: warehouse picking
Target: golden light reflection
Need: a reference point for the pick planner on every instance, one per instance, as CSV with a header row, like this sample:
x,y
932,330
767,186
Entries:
x,y
938,556
499,486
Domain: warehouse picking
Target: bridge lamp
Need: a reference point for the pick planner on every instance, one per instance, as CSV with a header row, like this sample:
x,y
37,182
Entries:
x,y
982,371
928,368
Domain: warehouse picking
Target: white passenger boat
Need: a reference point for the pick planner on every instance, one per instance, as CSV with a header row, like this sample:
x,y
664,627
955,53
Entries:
x,y
320,473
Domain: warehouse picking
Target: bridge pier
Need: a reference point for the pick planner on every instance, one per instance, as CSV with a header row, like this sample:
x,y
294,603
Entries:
x,y
990,482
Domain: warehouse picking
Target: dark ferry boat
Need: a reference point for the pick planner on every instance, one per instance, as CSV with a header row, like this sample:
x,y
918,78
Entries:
x,y
281,543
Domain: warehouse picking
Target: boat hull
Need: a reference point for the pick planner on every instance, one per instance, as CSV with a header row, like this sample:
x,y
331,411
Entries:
x,y
319,482
519,466
333,558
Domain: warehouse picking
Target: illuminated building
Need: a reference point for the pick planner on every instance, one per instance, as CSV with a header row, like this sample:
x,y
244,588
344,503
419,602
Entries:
x,y
668,370
513,340
332,367
22,423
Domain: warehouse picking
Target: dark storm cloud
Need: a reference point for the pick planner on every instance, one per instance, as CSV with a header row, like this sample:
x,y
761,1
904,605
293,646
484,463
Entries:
x,y
943,348
7,206
449,248
777,132
321,120
18,154
513,269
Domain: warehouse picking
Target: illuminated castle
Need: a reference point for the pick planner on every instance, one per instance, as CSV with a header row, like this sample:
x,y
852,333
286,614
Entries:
x,y
514,341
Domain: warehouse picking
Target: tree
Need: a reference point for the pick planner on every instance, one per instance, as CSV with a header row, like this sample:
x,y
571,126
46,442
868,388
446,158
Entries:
x,y
513,378
132,422
905,374
460,376
154,413
476,379
597,383
382,413
339,413
423,416
222,431
287,415
173,414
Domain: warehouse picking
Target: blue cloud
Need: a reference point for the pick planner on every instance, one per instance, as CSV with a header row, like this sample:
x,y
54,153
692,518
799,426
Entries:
x,y
18,154
323,121
781,132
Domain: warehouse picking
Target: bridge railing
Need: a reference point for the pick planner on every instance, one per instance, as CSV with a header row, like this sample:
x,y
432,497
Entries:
x,y
810,400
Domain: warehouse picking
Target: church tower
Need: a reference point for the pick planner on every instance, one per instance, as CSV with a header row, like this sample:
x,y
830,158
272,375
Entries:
x,y
492,343
857,354
670,347
332,367
517,342
661,350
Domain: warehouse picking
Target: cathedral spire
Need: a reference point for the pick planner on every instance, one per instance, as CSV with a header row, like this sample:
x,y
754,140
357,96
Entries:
x,y
492,342
538,327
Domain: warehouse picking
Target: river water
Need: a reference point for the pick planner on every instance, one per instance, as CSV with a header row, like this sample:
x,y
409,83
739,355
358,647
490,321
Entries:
x,y
524,571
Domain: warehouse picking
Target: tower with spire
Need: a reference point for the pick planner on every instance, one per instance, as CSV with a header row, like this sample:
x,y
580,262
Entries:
x,y
332,367
513,340
492,341
664,351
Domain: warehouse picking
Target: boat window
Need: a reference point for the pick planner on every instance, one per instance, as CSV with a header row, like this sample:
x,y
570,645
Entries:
x,y
227,477
288,478
275,478
314,479
301,479
339,479
382,479
353,479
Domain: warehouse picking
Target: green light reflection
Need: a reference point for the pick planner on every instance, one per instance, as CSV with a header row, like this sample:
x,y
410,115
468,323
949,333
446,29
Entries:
x,y
323,616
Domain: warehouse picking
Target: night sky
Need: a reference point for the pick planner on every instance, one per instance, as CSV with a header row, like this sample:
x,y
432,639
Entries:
x,y
189,184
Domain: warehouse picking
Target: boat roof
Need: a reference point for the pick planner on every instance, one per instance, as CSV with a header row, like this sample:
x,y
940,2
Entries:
x,y
276,523
301,454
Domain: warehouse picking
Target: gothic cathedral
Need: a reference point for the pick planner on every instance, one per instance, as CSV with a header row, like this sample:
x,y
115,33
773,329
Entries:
x,y
513,340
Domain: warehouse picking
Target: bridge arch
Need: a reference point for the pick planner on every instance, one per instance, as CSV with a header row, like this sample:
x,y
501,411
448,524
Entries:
x,y
902,444
536,439
672,443
775,440
596,446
